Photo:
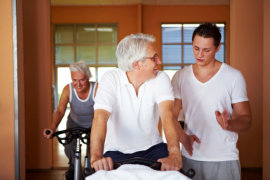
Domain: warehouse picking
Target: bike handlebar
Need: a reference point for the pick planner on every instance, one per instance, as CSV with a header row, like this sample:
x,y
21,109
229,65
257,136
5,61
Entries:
x,y
147,162
72,133
84,135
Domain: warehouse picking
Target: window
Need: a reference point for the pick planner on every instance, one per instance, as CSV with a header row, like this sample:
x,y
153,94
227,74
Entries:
x,y
177,50
93,43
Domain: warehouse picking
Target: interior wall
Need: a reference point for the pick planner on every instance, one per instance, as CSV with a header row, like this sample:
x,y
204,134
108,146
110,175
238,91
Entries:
x,y
266,90
247,56
125,16
37,82
7,153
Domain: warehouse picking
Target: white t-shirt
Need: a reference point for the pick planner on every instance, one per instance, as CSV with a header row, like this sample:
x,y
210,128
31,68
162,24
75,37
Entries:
x,y
133,122
200,101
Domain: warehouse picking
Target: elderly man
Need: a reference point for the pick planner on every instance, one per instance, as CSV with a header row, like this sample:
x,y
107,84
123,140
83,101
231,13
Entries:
x,y
128,105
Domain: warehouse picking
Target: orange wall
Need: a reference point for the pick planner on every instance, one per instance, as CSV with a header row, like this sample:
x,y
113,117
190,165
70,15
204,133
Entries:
x,y
37,82
247,56
125,16
131,19
7,154
266,90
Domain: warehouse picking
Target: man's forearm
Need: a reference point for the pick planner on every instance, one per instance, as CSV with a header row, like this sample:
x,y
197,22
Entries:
x,y
172,136
97,143
241,123
98,134
96,152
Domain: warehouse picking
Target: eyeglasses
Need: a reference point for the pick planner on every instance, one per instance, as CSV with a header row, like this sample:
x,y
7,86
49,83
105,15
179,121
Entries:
x,y
155,58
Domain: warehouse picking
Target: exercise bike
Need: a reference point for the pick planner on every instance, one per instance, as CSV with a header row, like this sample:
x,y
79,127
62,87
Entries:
x,y
81,135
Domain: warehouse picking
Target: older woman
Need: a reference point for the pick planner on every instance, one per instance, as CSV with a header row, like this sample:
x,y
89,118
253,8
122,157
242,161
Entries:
x,y
80,95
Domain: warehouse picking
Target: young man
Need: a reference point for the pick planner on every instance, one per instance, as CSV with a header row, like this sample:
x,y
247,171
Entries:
x,y
209,92
128,105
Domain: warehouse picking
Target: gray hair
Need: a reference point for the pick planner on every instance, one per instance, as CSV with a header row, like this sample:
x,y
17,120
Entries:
x,y
81,67
131,49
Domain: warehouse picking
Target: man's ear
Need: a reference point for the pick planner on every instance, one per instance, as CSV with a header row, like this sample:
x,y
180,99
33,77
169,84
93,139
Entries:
x,y
217,49
136,65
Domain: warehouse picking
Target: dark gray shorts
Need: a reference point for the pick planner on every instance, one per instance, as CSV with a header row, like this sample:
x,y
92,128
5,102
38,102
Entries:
x,y
216,170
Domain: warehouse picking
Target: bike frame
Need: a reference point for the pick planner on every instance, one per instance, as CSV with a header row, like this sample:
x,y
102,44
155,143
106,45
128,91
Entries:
x,y
81,135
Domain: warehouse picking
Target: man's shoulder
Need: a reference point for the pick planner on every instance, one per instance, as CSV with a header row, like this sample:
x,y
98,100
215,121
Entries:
x,y
180,73
161,75
231,70
112,73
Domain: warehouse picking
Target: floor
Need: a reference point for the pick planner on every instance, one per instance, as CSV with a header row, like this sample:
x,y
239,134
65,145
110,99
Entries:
x,y
251,173
59,174
56,174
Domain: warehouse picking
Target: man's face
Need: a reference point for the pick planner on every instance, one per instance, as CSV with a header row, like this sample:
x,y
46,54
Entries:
x,y
149,65
204,50
79,81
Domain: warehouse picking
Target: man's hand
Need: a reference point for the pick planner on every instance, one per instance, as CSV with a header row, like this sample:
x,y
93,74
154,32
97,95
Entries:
x,y
188,142
171,163
223,119
104,163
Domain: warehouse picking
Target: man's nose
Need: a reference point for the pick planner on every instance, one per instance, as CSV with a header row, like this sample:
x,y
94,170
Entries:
x,y
200,53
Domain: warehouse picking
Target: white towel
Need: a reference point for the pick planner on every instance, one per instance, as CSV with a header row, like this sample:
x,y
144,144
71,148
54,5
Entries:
x,y
136,172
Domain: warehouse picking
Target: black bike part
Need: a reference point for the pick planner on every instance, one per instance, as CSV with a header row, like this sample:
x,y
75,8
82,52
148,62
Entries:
x,y
190,173
147,162
137,160
73,133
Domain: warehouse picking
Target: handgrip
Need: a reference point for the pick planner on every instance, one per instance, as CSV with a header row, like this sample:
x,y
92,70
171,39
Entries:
x,y
190,173
147,162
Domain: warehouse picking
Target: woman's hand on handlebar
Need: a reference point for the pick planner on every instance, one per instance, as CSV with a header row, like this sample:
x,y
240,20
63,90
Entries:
x,y
47,133
105,163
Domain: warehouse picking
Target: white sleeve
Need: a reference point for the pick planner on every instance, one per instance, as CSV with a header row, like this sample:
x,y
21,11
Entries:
x,y
163,88
176,85
239,92
105,97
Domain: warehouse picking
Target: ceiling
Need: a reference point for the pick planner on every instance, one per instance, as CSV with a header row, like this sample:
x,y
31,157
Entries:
x,y
131,2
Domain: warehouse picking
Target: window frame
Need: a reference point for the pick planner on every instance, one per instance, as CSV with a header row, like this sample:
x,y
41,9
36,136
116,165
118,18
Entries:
x,y
74,45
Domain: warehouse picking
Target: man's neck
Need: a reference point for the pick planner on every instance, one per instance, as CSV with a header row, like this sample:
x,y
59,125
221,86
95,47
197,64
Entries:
x,y
206,72
135,79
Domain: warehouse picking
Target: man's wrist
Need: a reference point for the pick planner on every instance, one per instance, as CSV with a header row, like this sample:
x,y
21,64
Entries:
x,y
174,150
94,159
183,137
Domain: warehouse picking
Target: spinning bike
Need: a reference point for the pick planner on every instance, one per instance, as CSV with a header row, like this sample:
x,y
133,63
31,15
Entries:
x,y
81,135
